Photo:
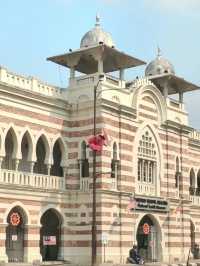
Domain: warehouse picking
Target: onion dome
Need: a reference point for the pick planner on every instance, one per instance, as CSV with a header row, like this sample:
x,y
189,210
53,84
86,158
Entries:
x,y
96,36
159,66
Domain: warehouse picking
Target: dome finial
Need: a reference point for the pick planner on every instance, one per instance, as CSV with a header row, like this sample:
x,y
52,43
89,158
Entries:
x,y
97,20
159,53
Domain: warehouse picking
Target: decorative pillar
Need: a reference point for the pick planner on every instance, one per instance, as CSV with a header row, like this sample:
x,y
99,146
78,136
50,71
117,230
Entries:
x,y
73,62
3,255
17,164
32,247
64,177
181,97
121,74
1,160
48,169
72,72
165,91
100,65
32,166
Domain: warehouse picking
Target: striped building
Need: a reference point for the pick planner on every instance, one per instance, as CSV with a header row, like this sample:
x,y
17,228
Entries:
x,y
147,176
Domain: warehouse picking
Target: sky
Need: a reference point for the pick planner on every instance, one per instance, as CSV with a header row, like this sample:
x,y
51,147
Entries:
x,y
33,30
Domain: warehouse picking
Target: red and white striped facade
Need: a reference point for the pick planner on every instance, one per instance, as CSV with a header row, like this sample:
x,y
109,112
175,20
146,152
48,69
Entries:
x,y
28,106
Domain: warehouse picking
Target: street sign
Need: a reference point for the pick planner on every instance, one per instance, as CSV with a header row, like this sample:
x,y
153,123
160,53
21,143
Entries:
x,y
104,238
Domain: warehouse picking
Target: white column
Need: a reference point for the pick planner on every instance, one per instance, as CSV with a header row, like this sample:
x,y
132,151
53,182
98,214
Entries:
x,y
64,176
100,66
32,250
48,169
31,166
3,255
17,164
181,97
72,72
121,74
142,172
148,171
165,91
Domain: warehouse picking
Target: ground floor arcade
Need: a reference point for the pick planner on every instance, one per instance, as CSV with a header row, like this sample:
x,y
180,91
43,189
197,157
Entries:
x,y
47,241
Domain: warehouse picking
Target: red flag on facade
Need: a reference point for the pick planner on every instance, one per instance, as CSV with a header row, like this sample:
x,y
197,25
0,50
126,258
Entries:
x,y
96,143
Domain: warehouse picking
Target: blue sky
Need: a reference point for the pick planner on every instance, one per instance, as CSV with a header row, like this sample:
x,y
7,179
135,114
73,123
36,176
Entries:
x,y
33,30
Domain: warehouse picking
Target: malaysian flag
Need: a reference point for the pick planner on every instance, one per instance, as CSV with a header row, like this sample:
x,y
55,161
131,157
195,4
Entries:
x,y
49,240
131,205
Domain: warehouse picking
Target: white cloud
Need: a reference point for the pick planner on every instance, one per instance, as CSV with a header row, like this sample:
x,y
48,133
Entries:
x,y
176,5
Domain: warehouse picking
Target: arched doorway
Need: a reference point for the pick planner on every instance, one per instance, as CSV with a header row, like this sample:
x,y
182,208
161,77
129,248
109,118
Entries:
x,y
15,232
149,241
50,235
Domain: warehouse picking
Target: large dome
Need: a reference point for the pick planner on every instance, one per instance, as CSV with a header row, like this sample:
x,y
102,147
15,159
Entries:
x,y
159,66
96,35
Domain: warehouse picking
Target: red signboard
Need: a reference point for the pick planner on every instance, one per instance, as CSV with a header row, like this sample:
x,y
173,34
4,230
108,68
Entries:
x,y
146,229
49,240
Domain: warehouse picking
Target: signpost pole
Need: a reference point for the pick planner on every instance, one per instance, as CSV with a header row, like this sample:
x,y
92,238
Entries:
x,y
104,252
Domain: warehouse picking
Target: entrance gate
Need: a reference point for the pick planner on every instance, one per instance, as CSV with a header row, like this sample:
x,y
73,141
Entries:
x,y
15,235
50,234
148,242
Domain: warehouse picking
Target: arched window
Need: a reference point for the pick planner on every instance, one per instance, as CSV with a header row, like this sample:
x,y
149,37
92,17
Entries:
x,y
10,150
198,183
192,182
114,161
84,164
177,173
26,149
147,159
56,169
40,166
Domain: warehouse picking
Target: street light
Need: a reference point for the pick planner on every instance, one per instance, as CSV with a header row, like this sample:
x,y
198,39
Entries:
x,y
94,231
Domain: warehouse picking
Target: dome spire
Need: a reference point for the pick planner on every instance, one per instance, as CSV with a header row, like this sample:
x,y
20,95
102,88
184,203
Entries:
x,y
159,52
97,20
96,36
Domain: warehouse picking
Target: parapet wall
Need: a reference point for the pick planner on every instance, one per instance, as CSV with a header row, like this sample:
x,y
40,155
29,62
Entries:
x,y
30,84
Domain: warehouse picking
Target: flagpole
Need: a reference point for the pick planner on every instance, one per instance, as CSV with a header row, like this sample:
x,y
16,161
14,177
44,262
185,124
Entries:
x,y
94,230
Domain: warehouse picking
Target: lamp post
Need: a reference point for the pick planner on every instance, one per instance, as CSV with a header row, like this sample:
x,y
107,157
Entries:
x,y
94,231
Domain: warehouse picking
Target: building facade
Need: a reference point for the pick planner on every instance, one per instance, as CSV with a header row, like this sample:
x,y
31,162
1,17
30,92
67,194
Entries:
x,y
147,176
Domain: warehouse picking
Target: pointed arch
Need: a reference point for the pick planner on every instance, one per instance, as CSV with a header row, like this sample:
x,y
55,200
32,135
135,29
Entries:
x,y
149,167
177,173
51,224
16,225
11,148
84,160
42,155
114,161
198,183
22,207
154,254
192,182
2,147
26,151
152,91
59,154
63,148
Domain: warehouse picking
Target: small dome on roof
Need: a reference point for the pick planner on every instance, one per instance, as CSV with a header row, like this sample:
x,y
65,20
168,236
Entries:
x,y
159,66
96,35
